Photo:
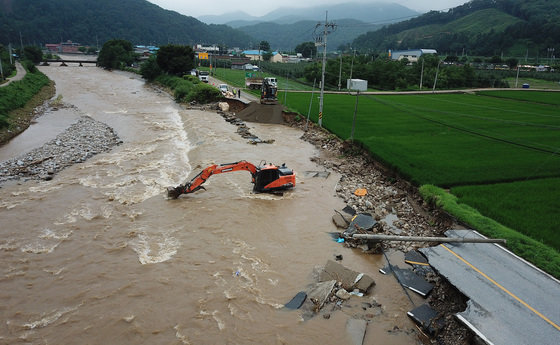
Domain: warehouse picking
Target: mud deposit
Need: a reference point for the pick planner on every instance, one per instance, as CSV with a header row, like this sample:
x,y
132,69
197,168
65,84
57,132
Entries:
x,y
99,255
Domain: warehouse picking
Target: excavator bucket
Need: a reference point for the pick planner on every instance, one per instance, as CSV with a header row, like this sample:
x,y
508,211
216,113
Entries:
x,y
174,192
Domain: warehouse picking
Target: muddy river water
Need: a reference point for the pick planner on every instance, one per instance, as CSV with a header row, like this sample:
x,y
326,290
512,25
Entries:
x,y
98,255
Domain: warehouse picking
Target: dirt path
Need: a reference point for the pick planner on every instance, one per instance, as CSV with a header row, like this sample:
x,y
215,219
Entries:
x,y
21,72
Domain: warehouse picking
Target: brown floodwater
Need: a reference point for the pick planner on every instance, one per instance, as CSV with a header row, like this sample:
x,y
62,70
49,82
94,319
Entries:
x,y
98,255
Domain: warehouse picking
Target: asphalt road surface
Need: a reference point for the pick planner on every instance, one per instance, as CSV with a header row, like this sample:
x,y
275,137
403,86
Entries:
x,y
511,301
245,96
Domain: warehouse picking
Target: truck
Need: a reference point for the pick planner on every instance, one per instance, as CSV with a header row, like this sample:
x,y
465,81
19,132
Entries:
x,y
203,76
271,81
252,81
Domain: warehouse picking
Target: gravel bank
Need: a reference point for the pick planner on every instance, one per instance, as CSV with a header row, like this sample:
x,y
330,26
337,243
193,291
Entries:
x,y
82,140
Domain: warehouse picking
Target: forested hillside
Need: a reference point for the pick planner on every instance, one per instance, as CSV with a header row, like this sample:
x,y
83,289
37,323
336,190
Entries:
x,y
92,22
480,27
288,36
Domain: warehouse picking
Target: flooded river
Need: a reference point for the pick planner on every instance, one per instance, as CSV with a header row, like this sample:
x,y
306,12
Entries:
x,y
98,255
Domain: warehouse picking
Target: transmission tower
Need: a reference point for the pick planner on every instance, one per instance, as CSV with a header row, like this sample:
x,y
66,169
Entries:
x,y
321,40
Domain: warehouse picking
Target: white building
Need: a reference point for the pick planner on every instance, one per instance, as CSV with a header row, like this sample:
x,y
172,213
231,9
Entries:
x,y
412,55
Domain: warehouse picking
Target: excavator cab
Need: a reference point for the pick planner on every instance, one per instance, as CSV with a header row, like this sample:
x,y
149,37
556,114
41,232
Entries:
x,y
270,178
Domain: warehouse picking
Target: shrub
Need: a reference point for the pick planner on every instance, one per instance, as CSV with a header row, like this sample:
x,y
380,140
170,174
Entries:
x,y
181,91
203,93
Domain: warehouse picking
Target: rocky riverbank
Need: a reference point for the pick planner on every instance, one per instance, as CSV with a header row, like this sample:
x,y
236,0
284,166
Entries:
x,y
398,208
82,140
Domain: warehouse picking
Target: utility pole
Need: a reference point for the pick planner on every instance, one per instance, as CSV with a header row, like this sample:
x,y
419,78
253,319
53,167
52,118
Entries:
x,y
421,74
340,72
352,64
322,41
10,52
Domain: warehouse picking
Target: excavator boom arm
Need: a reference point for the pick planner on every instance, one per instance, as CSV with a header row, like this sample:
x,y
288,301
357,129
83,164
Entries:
x,y
197,181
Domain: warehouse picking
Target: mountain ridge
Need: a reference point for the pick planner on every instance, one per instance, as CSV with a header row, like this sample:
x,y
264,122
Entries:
x,y
366,12
90,22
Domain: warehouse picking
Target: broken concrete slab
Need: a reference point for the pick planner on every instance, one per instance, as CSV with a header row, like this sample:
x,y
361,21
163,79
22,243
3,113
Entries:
x,y
356,329
414,257
412,281
297,301
349,210
348,278
321,174
427,318
317,295
361,222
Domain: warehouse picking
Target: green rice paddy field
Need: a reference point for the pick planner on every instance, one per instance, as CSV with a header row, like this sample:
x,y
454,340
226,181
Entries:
x,y
498,152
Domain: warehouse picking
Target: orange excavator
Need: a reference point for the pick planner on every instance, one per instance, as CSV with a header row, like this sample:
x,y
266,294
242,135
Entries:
x,y
267,178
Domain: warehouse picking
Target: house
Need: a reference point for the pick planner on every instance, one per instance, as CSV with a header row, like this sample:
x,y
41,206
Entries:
x,y
412,55
249,67
63,47
239,63
257,55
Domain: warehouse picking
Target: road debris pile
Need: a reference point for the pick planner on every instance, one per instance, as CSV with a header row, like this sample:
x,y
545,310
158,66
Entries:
x,y
379,202
338,287
81,141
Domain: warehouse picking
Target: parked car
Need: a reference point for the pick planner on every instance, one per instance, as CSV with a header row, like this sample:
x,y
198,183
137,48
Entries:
x,y
223,88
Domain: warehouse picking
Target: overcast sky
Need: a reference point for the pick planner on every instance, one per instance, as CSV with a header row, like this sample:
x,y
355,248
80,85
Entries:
x,y
196,8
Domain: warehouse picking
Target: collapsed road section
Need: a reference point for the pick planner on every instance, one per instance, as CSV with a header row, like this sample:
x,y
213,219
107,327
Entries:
x,y
510,300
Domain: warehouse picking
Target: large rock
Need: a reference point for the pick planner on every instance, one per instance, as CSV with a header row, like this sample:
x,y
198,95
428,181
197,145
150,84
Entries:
x,y
348,278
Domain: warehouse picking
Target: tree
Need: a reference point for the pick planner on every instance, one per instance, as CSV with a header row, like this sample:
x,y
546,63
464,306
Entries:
x,y
267,56
307,49
264,46
175,59
512,63
150,69
451,58
115,53
33,54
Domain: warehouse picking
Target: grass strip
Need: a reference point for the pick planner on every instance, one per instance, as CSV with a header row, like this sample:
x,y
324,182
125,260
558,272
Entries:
x,y
18,93
541,255
530,207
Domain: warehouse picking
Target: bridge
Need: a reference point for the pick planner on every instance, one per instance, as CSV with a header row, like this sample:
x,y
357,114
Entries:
x,y
64,62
